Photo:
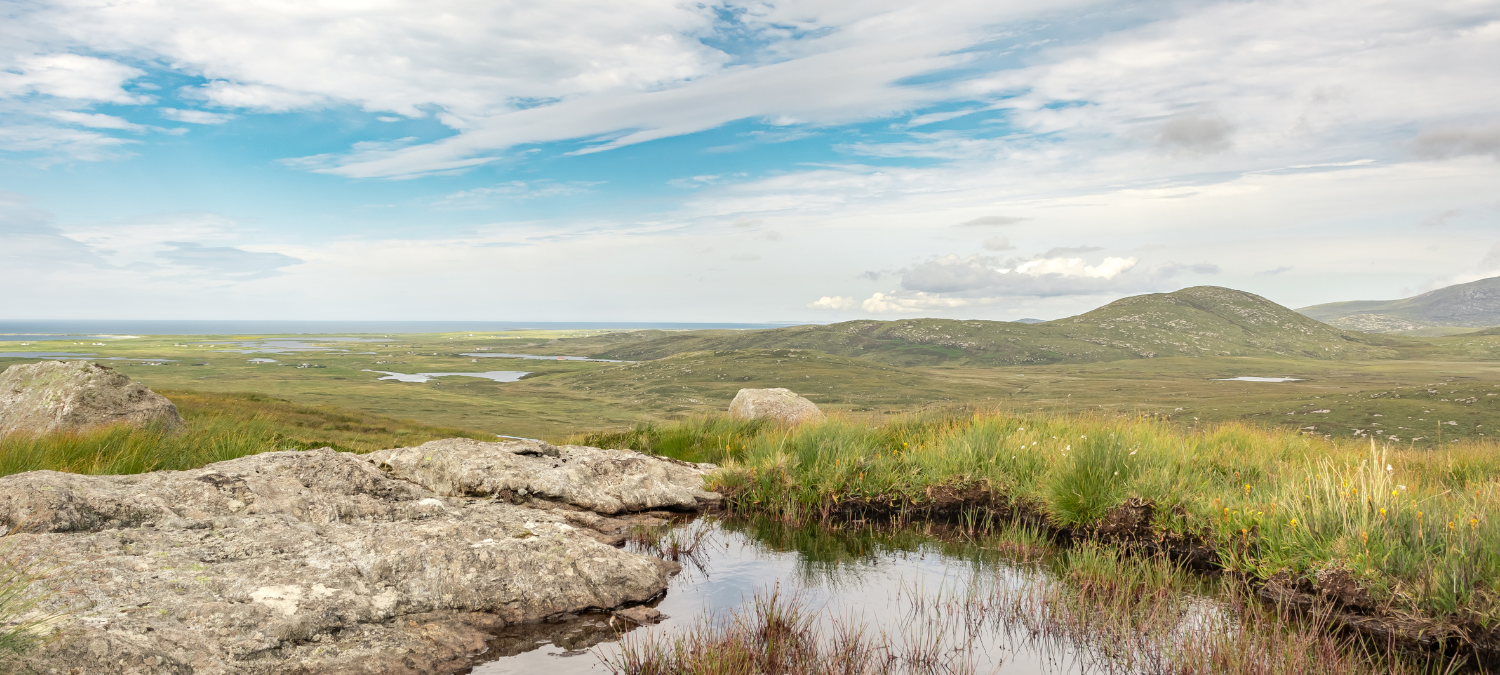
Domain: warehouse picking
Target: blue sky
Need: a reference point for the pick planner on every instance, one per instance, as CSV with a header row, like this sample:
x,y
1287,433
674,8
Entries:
x,y
769,161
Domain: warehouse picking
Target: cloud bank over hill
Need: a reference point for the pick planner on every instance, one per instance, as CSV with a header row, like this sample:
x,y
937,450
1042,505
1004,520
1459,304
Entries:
x,y
851,159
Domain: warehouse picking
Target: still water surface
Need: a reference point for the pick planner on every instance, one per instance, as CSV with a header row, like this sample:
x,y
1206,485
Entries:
x,y
854,580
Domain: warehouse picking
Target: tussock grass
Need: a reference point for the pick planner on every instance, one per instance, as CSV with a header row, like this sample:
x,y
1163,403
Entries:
x,y
29,582
219,427
1415,530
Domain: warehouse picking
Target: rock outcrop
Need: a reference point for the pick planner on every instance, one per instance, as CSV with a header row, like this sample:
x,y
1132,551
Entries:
x,y
323,562
602,481
782,405
51,396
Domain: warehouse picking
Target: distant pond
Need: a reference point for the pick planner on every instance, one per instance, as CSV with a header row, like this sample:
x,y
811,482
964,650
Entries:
x,y
1248,378
494,355
496,375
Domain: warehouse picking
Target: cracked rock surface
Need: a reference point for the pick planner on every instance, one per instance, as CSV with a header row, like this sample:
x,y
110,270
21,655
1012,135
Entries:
x,y
323,562
602,481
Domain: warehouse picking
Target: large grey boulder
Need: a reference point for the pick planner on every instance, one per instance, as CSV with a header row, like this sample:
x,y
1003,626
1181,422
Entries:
x,y
782,405
322,562
52,396
602,481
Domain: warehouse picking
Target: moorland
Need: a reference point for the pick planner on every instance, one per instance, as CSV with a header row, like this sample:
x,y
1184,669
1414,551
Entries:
x,y
1167,356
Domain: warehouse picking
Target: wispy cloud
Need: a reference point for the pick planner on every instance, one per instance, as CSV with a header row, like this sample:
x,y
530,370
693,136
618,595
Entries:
x,y
195,116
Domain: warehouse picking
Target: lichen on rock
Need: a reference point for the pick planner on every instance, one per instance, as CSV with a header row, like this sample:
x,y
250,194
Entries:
x,y
322,562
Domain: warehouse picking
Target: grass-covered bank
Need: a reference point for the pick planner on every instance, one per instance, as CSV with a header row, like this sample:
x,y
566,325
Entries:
x,y
219,427
1408,537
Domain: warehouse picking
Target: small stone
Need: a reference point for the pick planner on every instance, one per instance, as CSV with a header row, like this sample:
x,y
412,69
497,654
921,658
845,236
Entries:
x,y
640,615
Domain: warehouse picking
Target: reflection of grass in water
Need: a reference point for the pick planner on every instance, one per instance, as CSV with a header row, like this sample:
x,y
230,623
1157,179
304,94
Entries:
x,y
683,544
1098,612
783,635
219,427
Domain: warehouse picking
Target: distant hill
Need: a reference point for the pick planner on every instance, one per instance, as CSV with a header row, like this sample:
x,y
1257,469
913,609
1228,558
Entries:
x,y
1199,321
1472,305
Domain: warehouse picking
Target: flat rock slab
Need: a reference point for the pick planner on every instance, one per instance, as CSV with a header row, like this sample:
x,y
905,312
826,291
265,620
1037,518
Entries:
x,y
315,562
53,396
602,481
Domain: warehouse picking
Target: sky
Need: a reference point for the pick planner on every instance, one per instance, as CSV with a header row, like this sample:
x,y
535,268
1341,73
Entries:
x,y
807,161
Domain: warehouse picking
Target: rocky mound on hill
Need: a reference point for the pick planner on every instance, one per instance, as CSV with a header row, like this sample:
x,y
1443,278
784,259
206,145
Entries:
x,y
327,562
51,396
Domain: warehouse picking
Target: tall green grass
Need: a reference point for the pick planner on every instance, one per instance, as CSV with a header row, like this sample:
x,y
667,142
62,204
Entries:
x,y
28,582
1416,529
219,427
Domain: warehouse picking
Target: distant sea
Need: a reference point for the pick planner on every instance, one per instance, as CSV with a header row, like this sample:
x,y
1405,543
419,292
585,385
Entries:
x,y
42,330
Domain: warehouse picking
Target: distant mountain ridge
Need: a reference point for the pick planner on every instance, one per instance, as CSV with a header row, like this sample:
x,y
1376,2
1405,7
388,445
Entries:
x,y
1472,305
1198,321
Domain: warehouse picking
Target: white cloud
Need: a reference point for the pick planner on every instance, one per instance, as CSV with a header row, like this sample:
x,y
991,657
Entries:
x,y
71,76
988,275
514,190
835,302
96,120
54,143
225,260
195,116
992,221
895,303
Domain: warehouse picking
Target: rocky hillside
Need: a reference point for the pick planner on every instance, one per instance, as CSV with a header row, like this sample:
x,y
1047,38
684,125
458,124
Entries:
x,y
1199,321
1472,305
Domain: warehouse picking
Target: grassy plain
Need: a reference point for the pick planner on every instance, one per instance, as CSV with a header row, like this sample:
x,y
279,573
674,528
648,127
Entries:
x,y
219,427
1436,381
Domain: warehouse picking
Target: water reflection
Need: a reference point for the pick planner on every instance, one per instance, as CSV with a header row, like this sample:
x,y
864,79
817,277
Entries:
x,y
857,577
497,355
496,375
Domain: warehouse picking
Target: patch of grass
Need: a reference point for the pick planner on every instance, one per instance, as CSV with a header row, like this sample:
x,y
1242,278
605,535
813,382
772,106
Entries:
x,y
1418,530
219,427
28,584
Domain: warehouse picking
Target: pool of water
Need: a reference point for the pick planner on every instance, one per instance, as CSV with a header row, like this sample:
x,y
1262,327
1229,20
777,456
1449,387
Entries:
x,y
852,579
288,345
1247,378
14,337
495,355
74,356
496,375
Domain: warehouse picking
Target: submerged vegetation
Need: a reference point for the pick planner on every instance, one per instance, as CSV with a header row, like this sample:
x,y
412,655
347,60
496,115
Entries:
x,y
1407,540
219,427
